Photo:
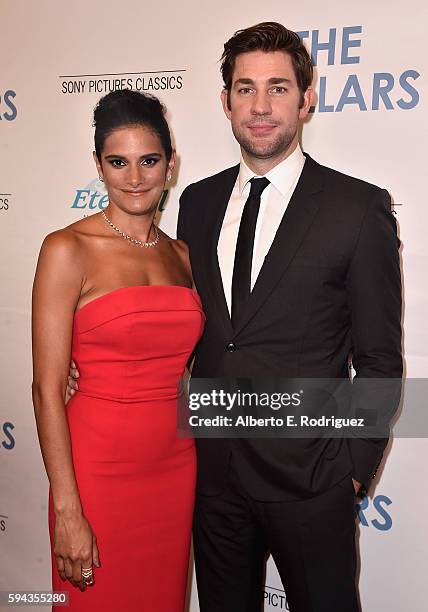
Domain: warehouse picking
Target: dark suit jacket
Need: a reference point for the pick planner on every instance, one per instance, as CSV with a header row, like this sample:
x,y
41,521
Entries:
x,y
330,287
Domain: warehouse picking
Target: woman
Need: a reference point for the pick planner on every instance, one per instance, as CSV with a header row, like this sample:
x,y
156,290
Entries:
x,y
115,293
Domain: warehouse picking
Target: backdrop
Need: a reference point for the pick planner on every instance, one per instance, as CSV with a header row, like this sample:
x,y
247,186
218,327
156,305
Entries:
x,y
58,58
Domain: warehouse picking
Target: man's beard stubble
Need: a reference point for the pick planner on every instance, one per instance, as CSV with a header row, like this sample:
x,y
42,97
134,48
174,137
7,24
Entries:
x,y
274,148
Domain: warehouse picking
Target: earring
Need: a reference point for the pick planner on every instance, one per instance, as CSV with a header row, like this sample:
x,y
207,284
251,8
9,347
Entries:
x,y
168,178
101,179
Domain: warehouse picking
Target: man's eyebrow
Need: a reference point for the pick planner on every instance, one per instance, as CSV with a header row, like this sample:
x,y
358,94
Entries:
x,y
278,80
244,82
271,81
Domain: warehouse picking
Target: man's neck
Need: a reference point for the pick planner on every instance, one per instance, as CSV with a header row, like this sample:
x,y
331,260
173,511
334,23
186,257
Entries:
x,y
262,166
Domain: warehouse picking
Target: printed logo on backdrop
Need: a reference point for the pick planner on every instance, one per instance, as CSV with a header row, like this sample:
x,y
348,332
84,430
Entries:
x,y
7,439
8,108
274,599
145,81
374,513
3,523
94,196
386,90
5,201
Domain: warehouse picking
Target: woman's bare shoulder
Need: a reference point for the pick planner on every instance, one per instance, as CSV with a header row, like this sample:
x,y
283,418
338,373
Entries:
x,y
176,243
68,239
62,245
60,263
88,226
62,239
182,246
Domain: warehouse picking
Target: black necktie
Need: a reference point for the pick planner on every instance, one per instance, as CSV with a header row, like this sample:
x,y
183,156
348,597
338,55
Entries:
x,y
241,281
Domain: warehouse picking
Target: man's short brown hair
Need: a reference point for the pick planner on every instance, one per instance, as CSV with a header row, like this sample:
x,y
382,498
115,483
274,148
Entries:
x,y
268,36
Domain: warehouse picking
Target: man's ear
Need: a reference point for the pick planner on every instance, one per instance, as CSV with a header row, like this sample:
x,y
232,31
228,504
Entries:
x,y
224,100
308,98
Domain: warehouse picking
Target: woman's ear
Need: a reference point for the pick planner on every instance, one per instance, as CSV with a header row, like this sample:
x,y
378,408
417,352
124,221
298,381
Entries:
x,y
98,165
171,165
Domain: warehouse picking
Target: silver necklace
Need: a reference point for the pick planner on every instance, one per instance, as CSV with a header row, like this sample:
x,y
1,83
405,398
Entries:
x,y
135,241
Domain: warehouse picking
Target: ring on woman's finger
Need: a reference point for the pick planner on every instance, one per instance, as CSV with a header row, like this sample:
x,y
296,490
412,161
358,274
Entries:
x,y
87,575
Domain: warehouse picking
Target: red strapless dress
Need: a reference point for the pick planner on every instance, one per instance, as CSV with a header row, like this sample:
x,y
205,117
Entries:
x,y
136,478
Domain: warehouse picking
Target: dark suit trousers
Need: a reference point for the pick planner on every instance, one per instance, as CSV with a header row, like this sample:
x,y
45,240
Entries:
x,y
312,543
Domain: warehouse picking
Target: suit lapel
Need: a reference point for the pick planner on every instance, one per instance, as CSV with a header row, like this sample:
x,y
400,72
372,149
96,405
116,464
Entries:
x,y
297,220
219,199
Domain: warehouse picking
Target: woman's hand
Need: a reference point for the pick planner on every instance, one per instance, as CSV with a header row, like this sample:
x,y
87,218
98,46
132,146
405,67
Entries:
x,y
75,547
72,385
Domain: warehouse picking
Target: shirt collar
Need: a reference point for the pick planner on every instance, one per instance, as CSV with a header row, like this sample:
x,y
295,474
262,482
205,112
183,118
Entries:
x,y
282,176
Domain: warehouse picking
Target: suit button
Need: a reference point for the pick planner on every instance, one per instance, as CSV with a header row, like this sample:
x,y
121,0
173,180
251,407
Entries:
x,y
231,347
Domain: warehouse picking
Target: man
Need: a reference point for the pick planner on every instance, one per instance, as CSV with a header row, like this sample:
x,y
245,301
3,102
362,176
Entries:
x,y
295,277
297,266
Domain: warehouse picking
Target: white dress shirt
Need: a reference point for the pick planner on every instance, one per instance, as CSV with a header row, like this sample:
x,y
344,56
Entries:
x,y
273,203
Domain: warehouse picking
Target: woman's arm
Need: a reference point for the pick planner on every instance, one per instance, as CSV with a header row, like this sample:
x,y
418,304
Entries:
x,y
183,252
56,291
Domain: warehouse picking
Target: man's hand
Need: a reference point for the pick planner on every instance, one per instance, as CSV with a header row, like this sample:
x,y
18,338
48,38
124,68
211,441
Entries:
x,y
72,385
